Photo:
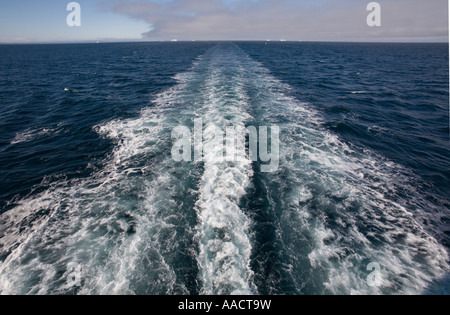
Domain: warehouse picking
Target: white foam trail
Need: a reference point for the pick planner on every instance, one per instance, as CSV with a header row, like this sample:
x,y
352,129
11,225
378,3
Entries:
x,y
223,233
357,207
120,225
125,225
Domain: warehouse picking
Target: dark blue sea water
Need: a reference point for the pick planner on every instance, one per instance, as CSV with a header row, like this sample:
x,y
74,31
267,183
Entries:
x,y
92,201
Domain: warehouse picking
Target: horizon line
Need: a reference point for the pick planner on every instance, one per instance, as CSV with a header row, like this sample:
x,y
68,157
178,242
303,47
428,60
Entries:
x,y
174,41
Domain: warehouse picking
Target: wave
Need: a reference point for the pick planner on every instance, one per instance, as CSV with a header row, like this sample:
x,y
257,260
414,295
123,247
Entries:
x,y
34,134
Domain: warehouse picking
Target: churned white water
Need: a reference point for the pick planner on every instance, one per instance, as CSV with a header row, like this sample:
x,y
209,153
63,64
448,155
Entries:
x,y
146,224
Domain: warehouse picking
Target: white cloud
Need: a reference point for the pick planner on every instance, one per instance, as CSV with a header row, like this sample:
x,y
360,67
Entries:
x,y
290,19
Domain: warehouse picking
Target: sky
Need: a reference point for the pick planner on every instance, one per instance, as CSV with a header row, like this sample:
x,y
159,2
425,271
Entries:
x,y
44,21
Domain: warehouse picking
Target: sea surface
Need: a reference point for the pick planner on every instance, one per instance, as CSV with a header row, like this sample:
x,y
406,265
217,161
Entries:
x,y
93,202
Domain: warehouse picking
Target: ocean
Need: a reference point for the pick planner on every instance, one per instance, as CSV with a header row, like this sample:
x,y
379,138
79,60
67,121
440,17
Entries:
x,y
92,200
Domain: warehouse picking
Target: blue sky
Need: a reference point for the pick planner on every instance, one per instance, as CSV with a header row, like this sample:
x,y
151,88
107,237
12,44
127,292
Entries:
x,y
45,21
23,21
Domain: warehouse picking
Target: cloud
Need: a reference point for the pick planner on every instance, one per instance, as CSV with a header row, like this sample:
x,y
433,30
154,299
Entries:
x,y
287,19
